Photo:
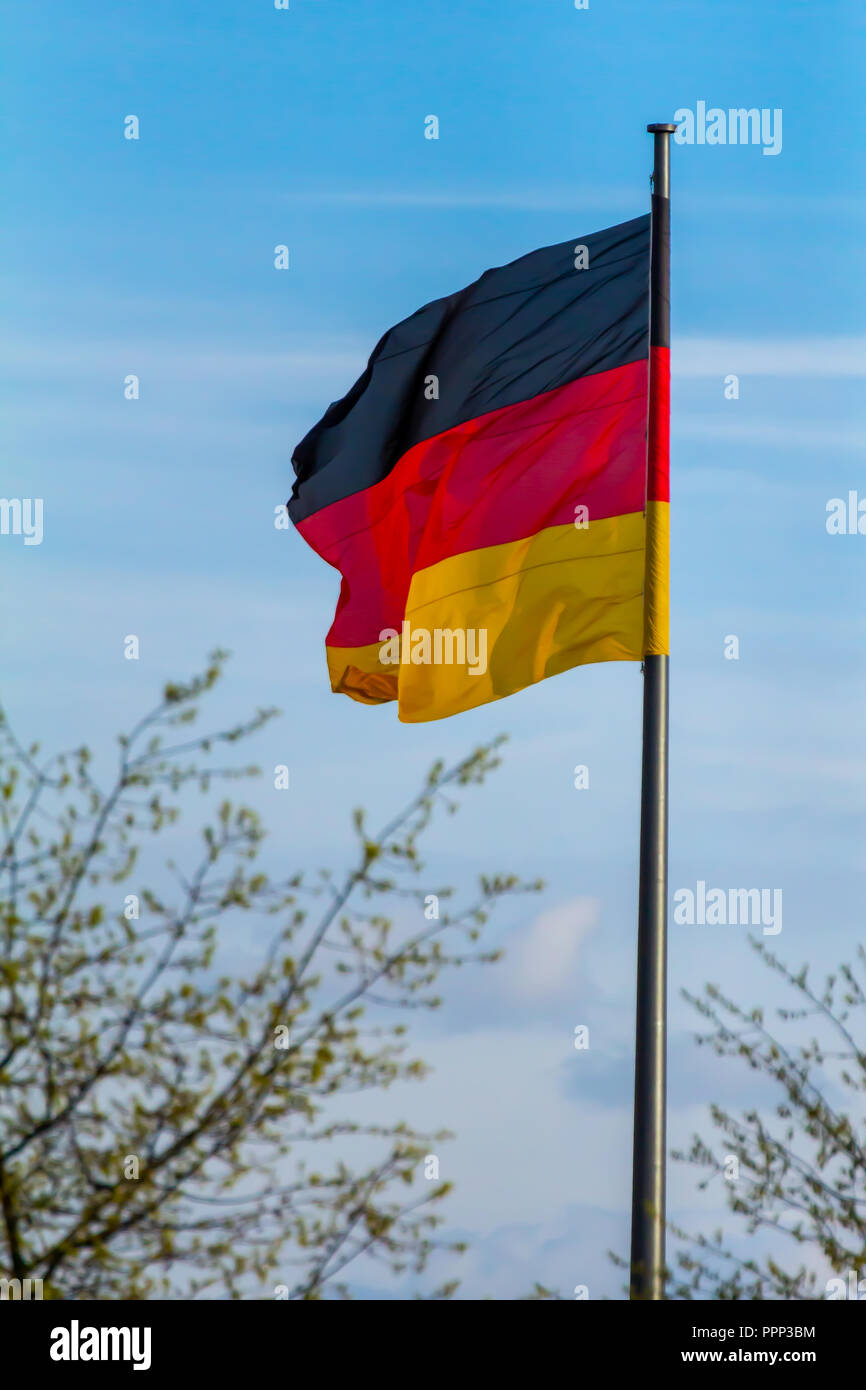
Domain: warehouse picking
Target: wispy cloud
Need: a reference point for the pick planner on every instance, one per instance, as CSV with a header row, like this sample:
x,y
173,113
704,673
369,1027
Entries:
x,y
796,435
517,199
691,356
541,963
630,197
783,357
178,359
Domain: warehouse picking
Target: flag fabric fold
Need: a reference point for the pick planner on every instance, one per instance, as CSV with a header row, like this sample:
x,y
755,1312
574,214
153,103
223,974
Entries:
x,y
485,488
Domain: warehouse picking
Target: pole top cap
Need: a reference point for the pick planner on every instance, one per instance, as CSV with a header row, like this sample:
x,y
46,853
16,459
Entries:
x,y
662,126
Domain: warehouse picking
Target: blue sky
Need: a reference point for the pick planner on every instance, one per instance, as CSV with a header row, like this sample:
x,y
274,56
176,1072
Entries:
x,y
155,257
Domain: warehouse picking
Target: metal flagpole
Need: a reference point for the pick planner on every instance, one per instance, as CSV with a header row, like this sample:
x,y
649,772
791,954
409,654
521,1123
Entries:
x,y
649,1144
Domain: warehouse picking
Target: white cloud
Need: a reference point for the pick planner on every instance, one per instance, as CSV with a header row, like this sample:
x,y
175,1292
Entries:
x,y
629,197
807,356
529,200
196,359
799,435
542,961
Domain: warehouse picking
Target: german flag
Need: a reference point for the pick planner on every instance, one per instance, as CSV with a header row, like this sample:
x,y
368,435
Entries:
x,y
486,489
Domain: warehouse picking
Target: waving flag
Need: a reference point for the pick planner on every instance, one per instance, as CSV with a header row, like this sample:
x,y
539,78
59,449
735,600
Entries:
x,y
484,488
